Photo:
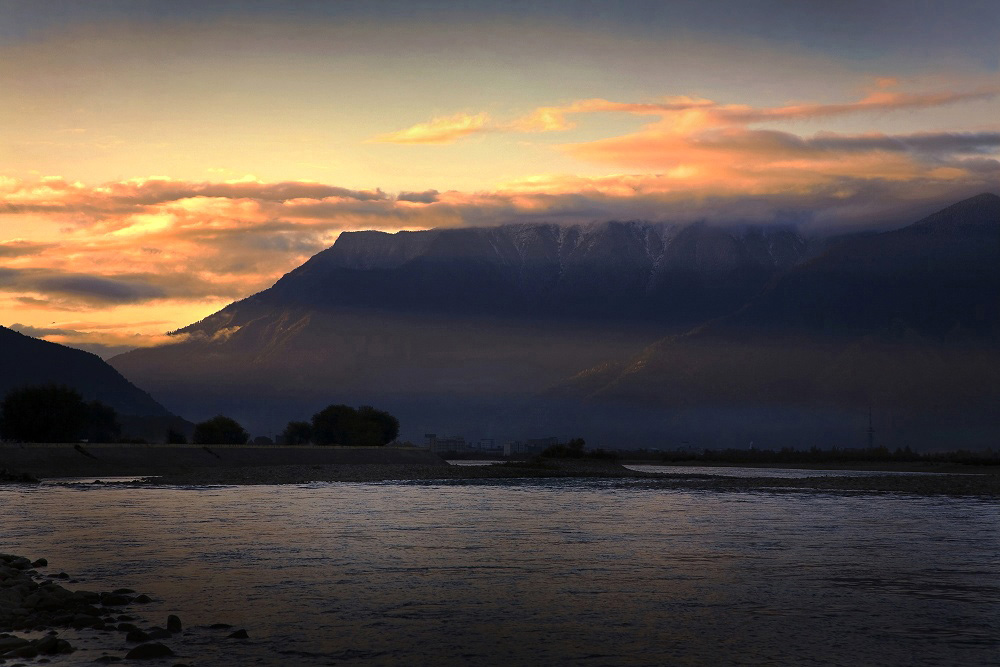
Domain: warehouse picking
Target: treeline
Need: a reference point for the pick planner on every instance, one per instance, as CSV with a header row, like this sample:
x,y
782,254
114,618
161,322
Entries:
x,y
333,425
344,425
575,449
817,455
55,413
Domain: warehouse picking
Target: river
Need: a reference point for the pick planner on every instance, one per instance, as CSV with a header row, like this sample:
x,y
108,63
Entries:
x,y
582,572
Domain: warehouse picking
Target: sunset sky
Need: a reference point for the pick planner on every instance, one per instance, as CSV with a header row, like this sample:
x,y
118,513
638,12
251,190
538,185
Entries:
x,y
159,160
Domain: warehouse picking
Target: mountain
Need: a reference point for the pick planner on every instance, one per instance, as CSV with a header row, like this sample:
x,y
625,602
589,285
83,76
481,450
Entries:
x,y
28,361
455,330
627,333
906,322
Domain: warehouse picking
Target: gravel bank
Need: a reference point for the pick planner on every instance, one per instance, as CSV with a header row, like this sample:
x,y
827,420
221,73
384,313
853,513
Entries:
x,y
123,460
984,485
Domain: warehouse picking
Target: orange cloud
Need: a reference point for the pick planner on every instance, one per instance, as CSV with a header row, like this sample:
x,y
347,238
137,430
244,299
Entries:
x,y
879,100
680,111
443,130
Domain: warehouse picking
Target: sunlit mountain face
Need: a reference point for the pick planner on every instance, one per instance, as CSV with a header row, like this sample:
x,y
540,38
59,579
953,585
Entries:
x,y
427,202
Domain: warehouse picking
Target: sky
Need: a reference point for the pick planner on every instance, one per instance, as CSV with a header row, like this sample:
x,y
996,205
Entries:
x,y
159,160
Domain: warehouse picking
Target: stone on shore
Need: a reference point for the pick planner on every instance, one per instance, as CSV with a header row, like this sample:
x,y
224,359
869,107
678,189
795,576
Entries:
x,y
149,651
174,623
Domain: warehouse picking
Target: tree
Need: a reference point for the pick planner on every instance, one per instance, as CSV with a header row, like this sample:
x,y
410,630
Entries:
x,y
55,413
101,423
175,437
335,425
377,426
220,430
571,450
297,433
343,425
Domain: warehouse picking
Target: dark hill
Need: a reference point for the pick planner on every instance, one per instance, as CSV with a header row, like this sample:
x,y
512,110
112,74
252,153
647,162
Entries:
x,y
28,361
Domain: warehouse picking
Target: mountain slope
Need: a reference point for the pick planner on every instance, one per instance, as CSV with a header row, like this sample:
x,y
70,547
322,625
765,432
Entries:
x,y
28,361
907,321
443,323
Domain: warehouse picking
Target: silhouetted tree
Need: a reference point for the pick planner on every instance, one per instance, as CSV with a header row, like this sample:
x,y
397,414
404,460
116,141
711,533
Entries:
x,y
335,425
175,437
55,413
101,423
376,427
571,450
343,425
297,433
220,430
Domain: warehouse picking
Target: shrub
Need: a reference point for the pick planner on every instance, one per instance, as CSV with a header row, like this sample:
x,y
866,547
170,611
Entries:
x,y
220,430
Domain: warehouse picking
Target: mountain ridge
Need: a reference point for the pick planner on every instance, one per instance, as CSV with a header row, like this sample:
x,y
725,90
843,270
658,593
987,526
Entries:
x,y
444,326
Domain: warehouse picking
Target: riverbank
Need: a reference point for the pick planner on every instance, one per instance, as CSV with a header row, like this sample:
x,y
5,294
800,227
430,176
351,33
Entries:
x,y
987,486
861,466
125,460
39,618
195,465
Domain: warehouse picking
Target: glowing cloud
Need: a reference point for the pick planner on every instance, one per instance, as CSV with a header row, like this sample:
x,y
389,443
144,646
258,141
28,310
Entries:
x,y
442,130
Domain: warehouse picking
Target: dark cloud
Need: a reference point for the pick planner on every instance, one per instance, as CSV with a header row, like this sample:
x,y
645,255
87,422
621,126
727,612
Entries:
x,y
942,142
39,332
62,290
99,289
21,248
425,197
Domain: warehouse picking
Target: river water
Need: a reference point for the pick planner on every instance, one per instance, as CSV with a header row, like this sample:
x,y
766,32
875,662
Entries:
x,y
581,572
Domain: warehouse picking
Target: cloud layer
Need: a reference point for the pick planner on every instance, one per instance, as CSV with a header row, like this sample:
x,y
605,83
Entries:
x,y
159,241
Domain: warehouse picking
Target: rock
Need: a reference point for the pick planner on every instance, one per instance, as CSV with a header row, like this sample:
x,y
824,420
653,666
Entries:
x,y
126,627
149,651
41,562
174,623
239,634
159,633
50,645
219,626
11,643
114,600
137,636
142,599
23,652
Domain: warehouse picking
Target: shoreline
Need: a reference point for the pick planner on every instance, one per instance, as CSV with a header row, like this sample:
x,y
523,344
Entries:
x,y
947,484
39,618
197,465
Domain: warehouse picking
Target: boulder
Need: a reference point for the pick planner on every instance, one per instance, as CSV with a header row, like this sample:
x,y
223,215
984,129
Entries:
x,y
149,651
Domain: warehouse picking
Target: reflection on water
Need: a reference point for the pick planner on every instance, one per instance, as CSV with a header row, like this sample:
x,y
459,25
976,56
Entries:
x,y
601,572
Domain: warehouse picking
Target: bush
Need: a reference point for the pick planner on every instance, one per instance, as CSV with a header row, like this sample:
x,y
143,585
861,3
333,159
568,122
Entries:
x,y
220,430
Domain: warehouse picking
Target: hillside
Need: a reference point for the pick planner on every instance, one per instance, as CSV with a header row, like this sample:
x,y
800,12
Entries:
x,y
28,361
906,322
